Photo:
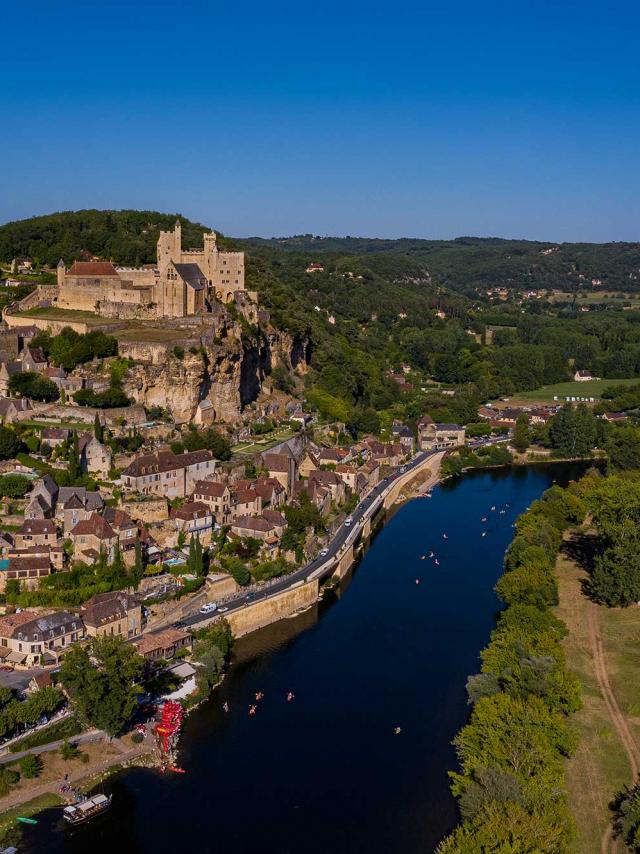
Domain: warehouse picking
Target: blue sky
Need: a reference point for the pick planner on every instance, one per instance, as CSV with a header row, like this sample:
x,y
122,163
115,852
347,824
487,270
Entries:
x,y
406,119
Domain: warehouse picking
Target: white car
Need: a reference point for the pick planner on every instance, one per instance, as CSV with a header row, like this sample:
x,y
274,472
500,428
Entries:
x,y
324,552
348,522
209,608
223,610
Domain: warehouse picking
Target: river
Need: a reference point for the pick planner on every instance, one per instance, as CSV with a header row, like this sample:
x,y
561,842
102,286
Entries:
x,y
327,772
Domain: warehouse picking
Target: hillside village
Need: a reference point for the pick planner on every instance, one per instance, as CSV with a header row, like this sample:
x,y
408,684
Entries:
x,y
163,454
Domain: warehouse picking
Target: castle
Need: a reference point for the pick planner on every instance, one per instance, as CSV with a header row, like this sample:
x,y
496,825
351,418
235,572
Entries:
x,y
184,282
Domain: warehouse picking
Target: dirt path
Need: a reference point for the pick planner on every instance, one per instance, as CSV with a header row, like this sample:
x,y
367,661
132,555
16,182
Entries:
x,y
617,718
76,776
608,844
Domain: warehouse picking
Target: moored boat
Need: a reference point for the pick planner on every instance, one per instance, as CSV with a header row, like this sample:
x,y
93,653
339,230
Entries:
x,y
89,808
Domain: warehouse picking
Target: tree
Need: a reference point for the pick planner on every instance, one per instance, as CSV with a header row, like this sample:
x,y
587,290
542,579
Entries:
x,y
68,751
98,429
138,567
623,448
74,459
521,438
14,485
30,766
615,579
9,443
33,385
573,430
101,680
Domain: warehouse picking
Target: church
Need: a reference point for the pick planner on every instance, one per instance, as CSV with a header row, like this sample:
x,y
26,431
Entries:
x,y
183,282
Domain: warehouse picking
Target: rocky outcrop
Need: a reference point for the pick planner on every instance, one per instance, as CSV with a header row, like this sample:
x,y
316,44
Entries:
x,y
229,371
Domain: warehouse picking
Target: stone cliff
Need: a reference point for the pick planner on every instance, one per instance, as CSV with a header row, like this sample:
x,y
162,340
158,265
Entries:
x,y
230,372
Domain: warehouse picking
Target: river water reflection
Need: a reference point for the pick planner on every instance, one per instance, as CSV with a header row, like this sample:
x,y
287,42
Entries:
x,y
326,772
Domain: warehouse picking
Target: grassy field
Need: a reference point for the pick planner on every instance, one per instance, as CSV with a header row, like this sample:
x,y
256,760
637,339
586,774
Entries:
x,y
126,330
10,830
600,766
614,298
546,393
53,313
261,446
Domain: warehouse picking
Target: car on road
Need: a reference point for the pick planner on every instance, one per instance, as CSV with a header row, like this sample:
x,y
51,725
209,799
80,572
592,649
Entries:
x,y
404,468
348,521
209,608
324,552
223,610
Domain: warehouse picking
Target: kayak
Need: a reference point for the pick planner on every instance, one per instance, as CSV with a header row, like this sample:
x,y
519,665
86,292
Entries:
x,y
27,820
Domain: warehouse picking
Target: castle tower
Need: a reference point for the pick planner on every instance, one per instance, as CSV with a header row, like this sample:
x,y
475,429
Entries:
x,y
169,247
60,271
210,256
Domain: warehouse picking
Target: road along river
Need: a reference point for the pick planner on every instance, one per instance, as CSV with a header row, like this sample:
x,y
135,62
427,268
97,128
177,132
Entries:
x,y
327,771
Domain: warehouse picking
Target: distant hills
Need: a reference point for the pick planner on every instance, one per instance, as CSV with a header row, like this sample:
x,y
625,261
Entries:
x,y
464,264
467,263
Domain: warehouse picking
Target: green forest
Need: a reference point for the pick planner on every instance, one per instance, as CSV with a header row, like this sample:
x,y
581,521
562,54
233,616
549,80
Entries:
x,y
380,304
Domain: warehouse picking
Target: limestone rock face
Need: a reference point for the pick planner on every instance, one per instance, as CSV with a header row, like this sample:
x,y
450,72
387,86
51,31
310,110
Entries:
x,y
229,371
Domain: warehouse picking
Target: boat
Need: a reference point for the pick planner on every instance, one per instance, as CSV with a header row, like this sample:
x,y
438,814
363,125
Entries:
x,y
27,820
89,808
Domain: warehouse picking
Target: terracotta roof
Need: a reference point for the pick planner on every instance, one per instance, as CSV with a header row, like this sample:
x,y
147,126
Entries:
x,y
326,478
55,373
164,461
32,624
95,525
210,488
425,420
27,562
37,526
191,510
10,622
244,496
277,462
37,354
118,519
252,523
161,640
92,268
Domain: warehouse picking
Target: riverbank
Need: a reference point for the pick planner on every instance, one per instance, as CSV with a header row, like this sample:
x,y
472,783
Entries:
x,y
32,796
335,741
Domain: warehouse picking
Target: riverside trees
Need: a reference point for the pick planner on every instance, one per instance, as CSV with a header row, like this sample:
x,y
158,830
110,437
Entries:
x,y
511,779
101,679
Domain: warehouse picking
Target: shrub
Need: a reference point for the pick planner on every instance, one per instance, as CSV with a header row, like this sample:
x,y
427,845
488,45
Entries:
x,y
30,766
69,751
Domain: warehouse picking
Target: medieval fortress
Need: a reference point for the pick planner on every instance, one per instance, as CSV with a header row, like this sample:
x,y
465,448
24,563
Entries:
x,y
183,283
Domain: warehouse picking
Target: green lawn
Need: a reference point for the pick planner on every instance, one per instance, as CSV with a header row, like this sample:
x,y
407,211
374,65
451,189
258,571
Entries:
x,y
546,394
52,313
